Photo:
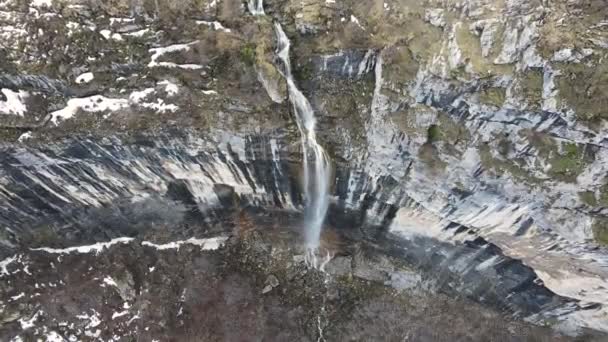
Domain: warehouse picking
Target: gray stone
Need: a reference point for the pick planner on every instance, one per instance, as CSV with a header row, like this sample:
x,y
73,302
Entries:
x,y
339,266
272,281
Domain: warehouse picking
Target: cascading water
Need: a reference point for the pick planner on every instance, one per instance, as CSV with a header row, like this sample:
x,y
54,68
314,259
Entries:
x,y
317,169
256,7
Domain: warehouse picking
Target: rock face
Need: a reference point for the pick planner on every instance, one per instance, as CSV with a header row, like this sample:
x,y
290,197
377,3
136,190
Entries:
x,y
469,137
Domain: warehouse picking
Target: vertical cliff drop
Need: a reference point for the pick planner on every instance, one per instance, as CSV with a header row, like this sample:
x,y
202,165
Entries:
x,y
316,175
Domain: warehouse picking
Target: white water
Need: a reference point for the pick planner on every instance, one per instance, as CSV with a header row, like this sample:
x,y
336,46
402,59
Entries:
x,y
316,162
256,7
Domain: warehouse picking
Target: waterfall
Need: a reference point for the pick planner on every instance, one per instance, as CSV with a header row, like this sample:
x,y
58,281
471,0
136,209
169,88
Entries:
x,y
315,159
256,7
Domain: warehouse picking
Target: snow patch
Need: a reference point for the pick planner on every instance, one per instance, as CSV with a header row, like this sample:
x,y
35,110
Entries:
x,y
4,265
160,51
29,323
206,244
215,25
170,88
14,102
85,78
42,3
109,281
138,34
25,136
96,248
96,103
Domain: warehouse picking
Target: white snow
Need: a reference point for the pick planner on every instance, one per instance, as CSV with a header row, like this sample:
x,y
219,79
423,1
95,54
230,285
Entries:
x,y
160,51
106,33
23,137
354,19
96,103
96,248
138,34
137,97
109,281
29,323
4,264
215,25
54,337
206,244
17,297
14,102
42,3
119,314
121,20
85,78
170,88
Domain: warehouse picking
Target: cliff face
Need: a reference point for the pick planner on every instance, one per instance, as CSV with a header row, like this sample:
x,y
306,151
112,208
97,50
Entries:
x,y
472,134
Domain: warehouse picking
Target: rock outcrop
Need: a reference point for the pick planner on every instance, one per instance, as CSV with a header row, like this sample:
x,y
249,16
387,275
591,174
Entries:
x,y
469,136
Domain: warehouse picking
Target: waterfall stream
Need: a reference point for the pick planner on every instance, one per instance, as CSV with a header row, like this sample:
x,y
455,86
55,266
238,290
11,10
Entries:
x,y
315,159
256,7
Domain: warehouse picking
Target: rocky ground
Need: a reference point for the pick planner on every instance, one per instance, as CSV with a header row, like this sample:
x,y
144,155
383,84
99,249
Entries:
x,y
252,285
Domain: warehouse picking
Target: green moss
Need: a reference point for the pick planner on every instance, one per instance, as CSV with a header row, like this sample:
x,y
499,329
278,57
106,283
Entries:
x,y
585,89
433,133
568,164
498,166
304,72
600,230
470,46
248,55
493,96
531,87
400,66
588,197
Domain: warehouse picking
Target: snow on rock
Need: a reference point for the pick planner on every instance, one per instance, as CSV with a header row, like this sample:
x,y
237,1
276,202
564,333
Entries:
x,y
42,3
4,265
109,281
96,103
137,98
206,244
25,136
116,315
54,337
96,248
138,34
14,103
170,88
160,51
29,323
215,25
85,78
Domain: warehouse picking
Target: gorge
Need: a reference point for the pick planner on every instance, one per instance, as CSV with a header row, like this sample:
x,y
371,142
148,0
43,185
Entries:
x,y
171,170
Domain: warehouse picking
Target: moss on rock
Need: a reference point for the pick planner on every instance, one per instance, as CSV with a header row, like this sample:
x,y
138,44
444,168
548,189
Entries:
x,y
493,96
585,88
600,230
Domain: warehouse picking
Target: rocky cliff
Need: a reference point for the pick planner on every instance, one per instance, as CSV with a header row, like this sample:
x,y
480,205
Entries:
x,y
468,137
